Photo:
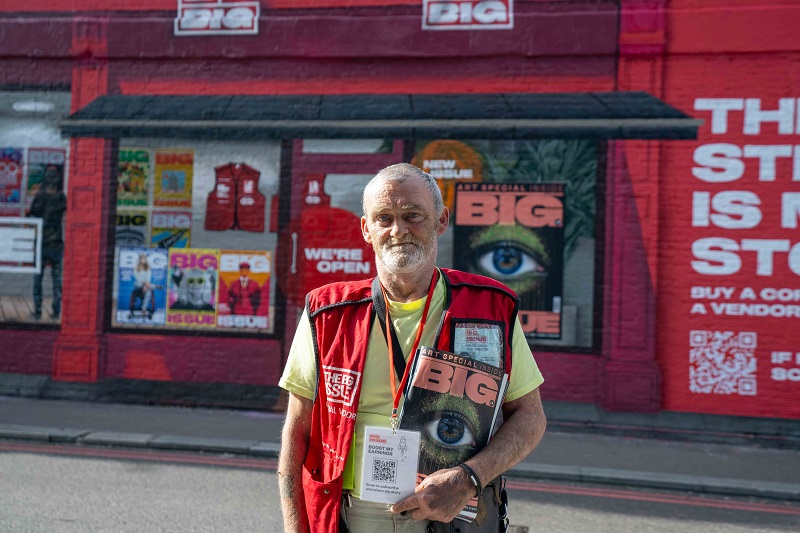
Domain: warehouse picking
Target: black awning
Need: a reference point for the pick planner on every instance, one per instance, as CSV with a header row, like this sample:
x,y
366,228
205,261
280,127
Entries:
x,y
616,115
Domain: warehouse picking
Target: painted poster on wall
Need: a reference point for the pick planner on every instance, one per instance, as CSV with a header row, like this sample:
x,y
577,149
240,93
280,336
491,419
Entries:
x,y
11,179
133,176
131,228
244,289
730,295
193,280
142,286
174,171
44,163
21,244
171,229
449,162
514,233
329,244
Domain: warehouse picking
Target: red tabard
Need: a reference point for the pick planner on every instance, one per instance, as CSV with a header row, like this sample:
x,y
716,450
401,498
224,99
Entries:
x,y
341,316
235,202
249,202
221,202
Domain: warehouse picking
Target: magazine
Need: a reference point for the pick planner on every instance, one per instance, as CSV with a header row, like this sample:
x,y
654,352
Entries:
x,y
142,284
453,401
514,233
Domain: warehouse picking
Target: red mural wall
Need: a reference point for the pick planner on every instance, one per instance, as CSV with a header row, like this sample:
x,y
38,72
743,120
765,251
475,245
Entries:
x,y
701,261
729,282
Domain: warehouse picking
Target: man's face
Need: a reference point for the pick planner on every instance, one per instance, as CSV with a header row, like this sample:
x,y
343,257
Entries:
x,y
401,224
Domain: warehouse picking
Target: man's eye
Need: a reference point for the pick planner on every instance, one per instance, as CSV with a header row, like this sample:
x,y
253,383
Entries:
x,y
506,260
450,430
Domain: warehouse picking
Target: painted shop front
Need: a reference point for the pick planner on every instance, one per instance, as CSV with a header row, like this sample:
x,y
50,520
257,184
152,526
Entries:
x,y
212,158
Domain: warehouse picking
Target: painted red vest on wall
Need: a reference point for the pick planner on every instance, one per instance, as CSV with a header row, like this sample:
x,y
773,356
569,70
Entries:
x,y
249,202
235,202
341,317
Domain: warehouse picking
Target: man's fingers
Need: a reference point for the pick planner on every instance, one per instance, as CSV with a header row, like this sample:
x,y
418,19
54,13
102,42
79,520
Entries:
x,y
412,502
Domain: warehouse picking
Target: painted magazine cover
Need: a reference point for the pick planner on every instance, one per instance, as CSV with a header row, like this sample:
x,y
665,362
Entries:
x,y
244,278
171,229
44,163
141,286
133,176
10,177
174,172
131,228
193,280
455,416
514,233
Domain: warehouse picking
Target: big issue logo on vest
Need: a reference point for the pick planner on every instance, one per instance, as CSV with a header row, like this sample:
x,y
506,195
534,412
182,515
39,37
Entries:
x,y
235,202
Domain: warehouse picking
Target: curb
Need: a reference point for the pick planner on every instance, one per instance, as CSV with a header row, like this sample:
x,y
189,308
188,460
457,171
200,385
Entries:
x,y
658,480
524,470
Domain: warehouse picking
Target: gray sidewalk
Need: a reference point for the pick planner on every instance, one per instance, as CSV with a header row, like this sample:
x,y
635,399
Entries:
x,y
631,450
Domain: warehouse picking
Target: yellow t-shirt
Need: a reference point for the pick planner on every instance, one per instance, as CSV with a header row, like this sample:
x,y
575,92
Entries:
x,y
375,403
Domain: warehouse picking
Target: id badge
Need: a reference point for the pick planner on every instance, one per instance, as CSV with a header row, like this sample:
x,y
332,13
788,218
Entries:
x,y
482,341
389,466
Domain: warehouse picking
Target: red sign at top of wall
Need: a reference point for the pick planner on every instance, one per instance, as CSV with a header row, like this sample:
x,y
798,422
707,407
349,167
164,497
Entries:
x,y
216,17
467,15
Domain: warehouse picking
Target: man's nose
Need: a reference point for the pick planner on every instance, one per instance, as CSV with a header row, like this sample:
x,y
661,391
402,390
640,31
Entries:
x,y
399,229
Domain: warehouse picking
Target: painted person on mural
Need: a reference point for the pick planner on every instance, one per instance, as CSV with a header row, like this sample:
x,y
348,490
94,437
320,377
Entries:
x,y
340,334
50,204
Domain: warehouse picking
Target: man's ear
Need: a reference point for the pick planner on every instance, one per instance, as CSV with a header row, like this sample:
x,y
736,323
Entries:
x,y
444,220
365,230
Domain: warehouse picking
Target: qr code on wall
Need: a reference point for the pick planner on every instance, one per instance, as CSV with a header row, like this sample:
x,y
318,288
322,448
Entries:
x,y
384,470
722,362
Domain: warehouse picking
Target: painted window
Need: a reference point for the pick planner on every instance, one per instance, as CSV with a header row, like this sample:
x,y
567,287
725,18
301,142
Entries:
x,y
33,179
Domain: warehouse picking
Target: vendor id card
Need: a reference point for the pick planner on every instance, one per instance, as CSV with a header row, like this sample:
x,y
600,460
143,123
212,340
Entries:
x,y
481,341
389,470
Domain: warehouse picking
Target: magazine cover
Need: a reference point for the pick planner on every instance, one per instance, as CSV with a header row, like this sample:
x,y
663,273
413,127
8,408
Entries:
x,y
133,176
244,289
453,401
514,233
44,162
171,229
11,177
131,228
142,286
192,297
173,178
449,162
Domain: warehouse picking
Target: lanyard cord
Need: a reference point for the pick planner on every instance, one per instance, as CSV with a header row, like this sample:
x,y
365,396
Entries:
x,y
397,392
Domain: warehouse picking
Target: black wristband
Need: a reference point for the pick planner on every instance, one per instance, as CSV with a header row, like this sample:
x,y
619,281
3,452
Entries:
x,y
472,477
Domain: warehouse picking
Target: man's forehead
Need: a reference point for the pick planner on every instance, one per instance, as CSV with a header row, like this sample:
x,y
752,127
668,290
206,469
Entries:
x,y
407,195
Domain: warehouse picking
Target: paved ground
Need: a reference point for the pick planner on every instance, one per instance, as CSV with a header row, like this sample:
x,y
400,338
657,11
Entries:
x,y
702,454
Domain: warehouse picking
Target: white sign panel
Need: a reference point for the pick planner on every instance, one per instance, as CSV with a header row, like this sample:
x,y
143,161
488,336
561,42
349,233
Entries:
x,y
468,15
20,244
210,17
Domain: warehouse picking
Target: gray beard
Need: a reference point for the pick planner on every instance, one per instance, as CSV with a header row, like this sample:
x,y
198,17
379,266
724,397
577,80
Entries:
x,y
403,262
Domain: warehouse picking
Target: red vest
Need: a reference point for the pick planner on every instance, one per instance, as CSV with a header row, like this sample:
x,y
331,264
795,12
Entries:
x,y
235,202
221,202
341,316
250,202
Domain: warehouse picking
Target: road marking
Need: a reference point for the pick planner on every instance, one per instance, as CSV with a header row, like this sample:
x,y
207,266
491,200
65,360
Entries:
x,y
194,458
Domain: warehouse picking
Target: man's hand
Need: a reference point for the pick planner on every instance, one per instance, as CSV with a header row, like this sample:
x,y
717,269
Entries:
x,y
440,496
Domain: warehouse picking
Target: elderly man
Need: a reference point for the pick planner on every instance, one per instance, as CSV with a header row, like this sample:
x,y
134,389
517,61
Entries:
x,y
339,374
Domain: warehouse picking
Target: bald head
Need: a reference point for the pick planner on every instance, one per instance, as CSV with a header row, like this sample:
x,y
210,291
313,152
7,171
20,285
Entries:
x,y
399,173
